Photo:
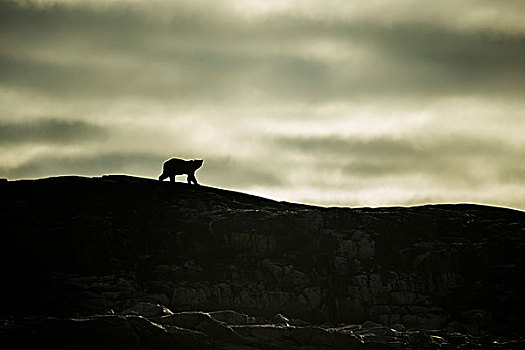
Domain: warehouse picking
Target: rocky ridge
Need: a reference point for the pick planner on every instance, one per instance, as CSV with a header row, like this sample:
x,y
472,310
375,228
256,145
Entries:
x,y
138,261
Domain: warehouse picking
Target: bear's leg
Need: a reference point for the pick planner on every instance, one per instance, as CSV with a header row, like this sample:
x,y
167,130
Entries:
x,y
192,178
172,178
163,176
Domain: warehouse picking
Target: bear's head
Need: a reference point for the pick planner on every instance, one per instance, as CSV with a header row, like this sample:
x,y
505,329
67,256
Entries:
x,y
197,163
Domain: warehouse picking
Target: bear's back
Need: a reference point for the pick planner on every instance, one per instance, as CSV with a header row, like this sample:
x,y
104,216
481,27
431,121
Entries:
x,y
178,166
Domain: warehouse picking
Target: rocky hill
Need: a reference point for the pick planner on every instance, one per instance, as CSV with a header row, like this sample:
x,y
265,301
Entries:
x,y
120,261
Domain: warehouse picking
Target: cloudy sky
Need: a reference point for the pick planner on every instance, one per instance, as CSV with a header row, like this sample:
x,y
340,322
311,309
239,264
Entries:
x,y
333,102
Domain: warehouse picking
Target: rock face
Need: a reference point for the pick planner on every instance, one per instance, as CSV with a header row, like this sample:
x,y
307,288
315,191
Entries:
x,y
74,247
202,331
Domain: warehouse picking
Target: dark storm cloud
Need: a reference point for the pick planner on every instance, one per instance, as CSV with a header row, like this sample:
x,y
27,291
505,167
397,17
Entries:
x,y
79,81
454,158
207,77
452,61
202,56
49,131
391,147
336,145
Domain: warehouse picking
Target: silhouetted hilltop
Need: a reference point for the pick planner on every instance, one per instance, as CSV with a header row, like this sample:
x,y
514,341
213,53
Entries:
x,y
74,247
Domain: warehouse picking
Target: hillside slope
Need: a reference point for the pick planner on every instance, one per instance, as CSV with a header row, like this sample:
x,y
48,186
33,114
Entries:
x,y
75,246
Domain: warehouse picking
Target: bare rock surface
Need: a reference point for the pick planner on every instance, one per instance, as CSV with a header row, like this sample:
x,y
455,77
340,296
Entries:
x,y
136,258
199,330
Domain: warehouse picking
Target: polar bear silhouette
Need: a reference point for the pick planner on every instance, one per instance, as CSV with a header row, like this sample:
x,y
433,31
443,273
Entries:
x,y
177,166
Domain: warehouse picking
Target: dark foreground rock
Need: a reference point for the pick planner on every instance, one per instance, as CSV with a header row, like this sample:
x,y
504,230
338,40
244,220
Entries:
x,y
142,252
199,330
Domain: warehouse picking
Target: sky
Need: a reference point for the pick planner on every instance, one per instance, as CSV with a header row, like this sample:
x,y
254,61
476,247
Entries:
x,y
333,102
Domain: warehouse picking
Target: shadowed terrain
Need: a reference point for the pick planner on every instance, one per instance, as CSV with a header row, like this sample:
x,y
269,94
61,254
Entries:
x,y
120,261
